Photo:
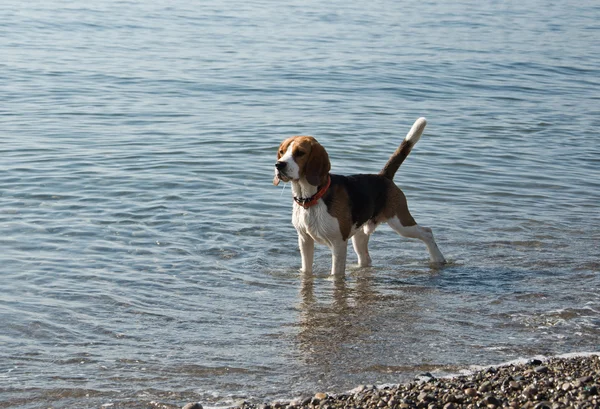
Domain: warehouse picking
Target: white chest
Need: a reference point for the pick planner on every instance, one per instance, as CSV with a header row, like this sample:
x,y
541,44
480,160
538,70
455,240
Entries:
x,y
317,223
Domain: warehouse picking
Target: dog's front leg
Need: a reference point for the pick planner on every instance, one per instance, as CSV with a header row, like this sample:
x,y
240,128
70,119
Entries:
x,y
307,251
339,250
360,242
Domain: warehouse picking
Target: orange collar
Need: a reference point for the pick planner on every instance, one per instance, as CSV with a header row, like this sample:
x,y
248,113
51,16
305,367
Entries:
x,y
311,201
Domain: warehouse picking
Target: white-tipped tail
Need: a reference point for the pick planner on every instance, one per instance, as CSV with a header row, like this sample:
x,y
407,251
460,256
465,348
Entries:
x,y
394,162
416,130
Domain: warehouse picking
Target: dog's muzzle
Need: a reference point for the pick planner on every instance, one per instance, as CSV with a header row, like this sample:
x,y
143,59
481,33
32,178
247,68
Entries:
x,y
281,166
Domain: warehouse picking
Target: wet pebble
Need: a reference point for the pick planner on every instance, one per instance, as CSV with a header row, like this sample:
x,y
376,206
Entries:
x,y
425,397
193,405
514,385
320,396
485,387
492,400
425,377
530,392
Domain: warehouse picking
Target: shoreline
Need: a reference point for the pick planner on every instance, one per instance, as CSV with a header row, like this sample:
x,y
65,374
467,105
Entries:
x,y
566,381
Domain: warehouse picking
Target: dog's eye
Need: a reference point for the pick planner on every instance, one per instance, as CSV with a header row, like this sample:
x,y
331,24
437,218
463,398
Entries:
x,y
300,153
281,152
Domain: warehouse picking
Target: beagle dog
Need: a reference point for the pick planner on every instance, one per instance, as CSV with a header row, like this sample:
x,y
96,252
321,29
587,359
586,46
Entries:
x,y
331,209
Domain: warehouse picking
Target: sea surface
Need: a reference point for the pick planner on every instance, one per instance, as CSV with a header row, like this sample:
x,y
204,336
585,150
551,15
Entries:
x,y
145,255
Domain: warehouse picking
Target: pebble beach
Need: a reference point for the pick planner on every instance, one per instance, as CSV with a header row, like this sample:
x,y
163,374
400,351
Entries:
x,y
554,383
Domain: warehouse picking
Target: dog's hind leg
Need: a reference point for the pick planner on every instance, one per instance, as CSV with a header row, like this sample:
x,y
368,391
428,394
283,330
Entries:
x,y
360,242
422,233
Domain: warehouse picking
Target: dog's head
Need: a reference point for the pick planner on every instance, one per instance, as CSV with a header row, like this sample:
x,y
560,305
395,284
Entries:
x,y
302,157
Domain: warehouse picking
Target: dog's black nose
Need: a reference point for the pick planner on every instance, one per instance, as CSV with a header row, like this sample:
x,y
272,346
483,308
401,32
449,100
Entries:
x,y
280,165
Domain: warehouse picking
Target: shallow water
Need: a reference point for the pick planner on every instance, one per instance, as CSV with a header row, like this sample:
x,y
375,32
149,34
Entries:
x,y
147,257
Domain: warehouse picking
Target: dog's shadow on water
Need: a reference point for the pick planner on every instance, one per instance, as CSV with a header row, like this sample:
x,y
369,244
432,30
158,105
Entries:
x,y
336,314
329,313
336,288
353,293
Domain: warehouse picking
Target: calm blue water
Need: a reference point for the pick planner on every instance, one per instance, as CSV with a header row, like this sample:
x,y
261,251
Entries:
x,y
146,257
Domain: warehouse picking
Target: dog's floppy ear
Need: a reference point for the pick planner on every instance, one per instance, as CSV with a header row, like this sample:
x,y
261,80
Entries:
x,y
317,166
